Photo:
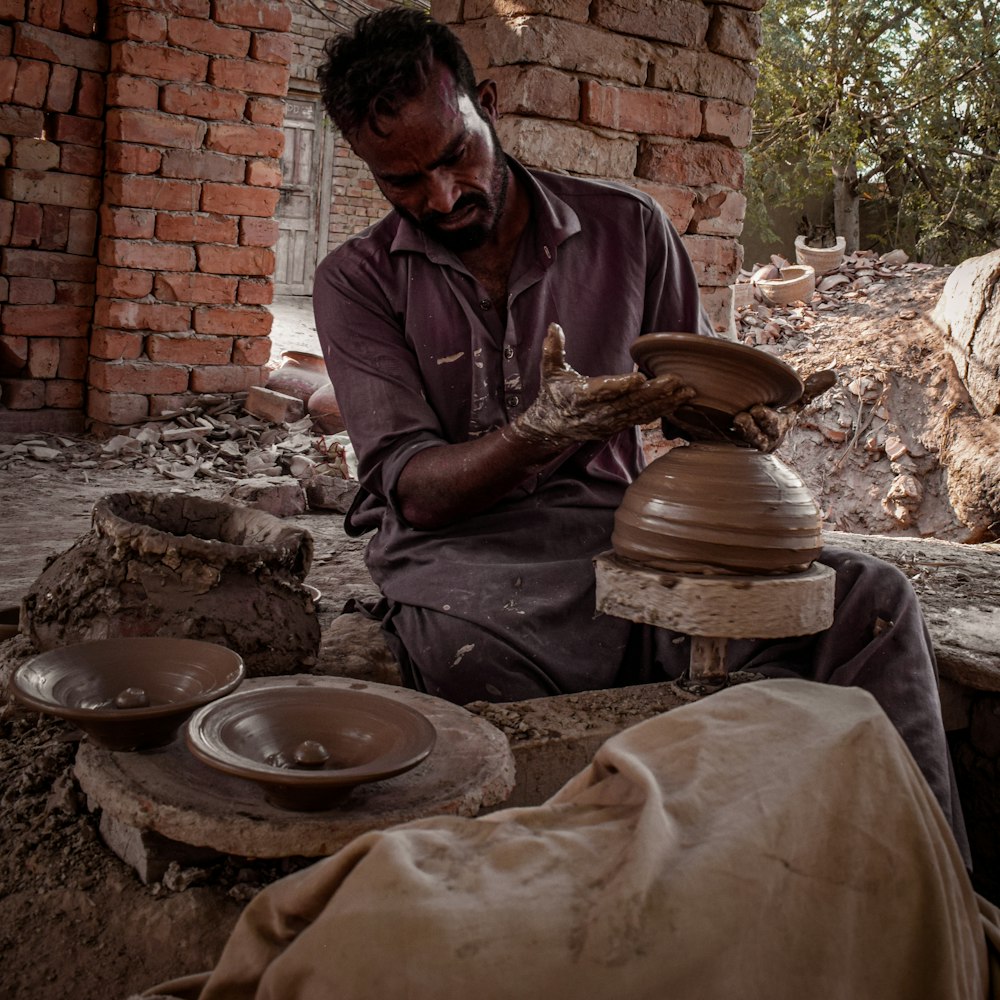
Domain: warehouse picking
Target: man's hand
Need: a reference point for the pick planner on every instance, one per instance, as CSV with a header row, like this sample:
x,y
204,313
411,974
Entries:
x,y
765,428
572,407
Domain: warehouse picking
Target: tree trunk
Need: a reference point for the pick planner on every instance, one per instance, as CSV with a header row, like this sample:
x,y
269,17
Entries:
x,y
846,203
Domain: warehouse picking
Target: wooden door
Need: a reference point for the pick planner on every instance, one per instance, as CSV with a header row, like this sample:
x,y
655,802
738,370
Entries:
x,y
303,209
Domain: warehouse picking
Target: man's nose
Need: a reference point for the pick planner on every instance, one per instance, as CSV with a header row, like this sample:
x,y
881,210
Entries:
x,y
441,192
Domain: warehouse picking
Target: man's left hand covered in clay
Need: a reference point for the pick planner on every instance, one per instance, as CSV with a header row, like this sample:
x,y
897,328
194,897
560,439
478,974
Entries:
x,y
764,427
571,407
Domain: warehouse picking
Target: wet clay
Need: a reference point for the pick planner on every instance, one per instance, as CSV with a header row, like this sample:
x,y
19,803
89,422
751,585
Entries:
x,y
164,564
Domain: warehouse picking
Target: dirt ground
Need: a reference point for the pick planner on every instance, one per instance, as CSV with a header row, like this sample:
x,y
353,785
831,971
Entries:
x,y
76,922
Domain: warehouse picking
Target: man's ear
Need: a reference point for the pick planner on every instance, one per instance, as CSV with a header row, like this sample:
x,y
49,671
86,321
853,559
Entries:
x,y
486,93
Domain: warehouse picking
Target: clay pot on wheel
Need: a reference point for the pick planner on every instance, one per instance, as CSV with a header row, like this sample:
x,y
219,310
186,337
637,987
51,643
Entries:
x,y
300,375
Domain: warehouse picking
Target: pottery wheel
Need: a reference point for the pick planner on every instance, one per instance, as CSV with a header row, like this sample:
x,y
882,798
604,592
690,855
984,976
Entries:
x,y
169,792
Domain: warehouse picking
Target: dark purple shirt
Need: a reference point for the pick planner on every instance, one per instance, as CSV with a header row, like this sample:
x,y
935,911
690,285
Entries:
x,y
419,356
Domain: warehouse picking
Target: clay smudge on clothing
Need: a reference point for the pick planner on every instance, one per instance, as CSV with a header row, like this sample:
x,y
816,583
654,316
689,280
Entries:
x,y
462,650
450,358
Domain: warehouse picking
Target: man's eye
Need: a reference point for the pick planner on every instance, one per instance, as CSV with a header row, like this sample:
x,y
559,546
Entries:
x,y
455,157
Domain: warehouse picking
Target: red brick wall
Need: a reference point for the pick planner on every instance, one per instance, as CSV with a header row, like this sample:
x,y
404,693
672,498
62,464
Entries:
x,y
52,87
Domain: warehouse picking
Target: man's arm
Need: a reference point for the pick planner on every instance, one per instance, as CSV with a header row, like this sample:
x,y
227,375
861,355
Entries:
x,y
439,485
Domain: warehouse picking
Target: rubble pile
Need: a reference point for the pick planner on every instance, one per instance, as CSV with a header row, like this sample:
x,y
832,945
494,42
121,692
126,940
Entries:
x,y
279,467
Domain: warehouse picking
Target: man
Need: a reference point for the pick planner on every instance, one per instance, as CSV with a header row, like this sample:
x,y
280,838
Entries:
x,y
489,466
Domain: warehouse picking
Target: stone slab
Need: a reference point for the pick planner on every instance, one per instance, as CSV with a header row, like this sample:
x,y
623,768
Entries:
x,y
170,793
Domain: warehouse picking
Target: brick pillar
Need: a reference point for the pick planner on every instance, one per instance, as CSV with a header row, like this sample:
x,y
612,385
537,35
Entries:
x,y
194,134
655,94
51,154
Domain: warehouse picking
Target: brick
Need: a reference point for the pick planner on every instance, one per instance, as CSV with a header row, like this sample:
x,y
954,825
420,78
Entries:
x,y
203,289
226,378
249,76
176,8
728,122
562,146
21,121
190,350
79,16
159,405
50,188
12,10
649,112
130,158
246,140
41,264
59,47
251,350
13,353
716,261
159,62
137,376
45,12
32,83
537,90
208,37
6,221
131,92
196,228
703,73
43,357
127,314
273,15
735,33
62,88
272,46
677,21
150,256
73,356
75,293
233,321
719,211
696,164
46,321
82,231
22,393
6,38
63,394
167,195
153,128
116,345
123,283
55,227
73,128
27,228
203,165
137,26
202,101
259,232
31,291
248,261
116,408
676,200
265,111
564,45
128,223
275,407
33,154
81,160
239,199
90,96
255,293
264,173
4,288
8,77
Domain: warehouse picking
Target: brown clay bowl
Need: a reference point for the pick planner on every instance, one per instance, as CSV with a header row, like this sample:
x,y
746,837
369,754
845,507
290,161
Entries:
x,y
715,508
9,622
727,377
307,747
128,694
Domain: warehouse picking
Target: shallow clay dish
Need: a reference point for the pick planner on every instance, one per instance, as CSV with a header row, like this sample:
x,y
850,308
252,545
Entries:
x,y
306,746
727,377
128,694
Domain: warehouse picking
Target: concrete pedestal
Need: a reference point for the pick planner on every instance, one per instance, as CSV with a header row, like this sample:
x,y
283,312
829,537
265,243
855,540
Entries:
x,y
158,805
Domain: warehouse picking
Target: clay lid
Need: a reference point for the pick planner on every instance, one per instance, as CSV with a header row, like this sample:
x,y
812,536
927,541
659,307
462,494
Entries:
x,y
128,694
728,378
306,747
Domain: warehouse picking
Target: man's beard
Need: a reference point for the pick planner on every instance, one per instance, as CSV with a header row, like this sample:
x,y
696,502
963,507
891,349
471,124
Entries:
x,y
476,233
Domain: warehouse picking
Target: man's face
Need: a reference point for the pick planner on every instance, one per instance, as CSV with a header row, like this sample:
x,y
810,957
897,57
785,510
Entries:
x,y
439,163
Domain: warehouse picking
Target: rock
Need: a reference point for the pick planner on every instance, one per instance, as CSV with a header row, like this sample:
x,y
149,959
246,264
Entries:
x,y
281,496
894,258
331,493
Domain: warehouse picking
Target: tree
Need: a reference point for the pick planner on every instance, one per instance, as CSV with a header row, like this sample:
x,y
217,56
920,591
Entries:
x,y
887,105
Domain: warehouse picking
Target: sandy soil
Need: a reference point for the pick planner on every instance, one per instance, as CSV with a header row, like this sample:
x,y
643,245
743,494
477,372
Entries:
x,y
75,921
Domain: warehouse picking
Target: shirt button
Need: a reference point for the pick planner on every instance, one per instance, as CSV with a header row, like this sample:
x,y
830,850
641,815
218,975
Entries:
x,y
512,401
508,352
485,305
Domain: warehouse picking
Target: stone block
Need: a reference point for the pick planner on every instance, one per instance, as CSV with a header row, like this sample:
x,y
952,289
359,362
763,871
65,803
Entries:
x,y
281,496
276,407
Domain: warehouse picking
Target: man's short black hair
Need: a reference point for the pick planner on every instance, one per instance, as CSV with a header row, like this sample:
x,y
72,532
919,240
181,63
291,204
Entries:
x,y
385,62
